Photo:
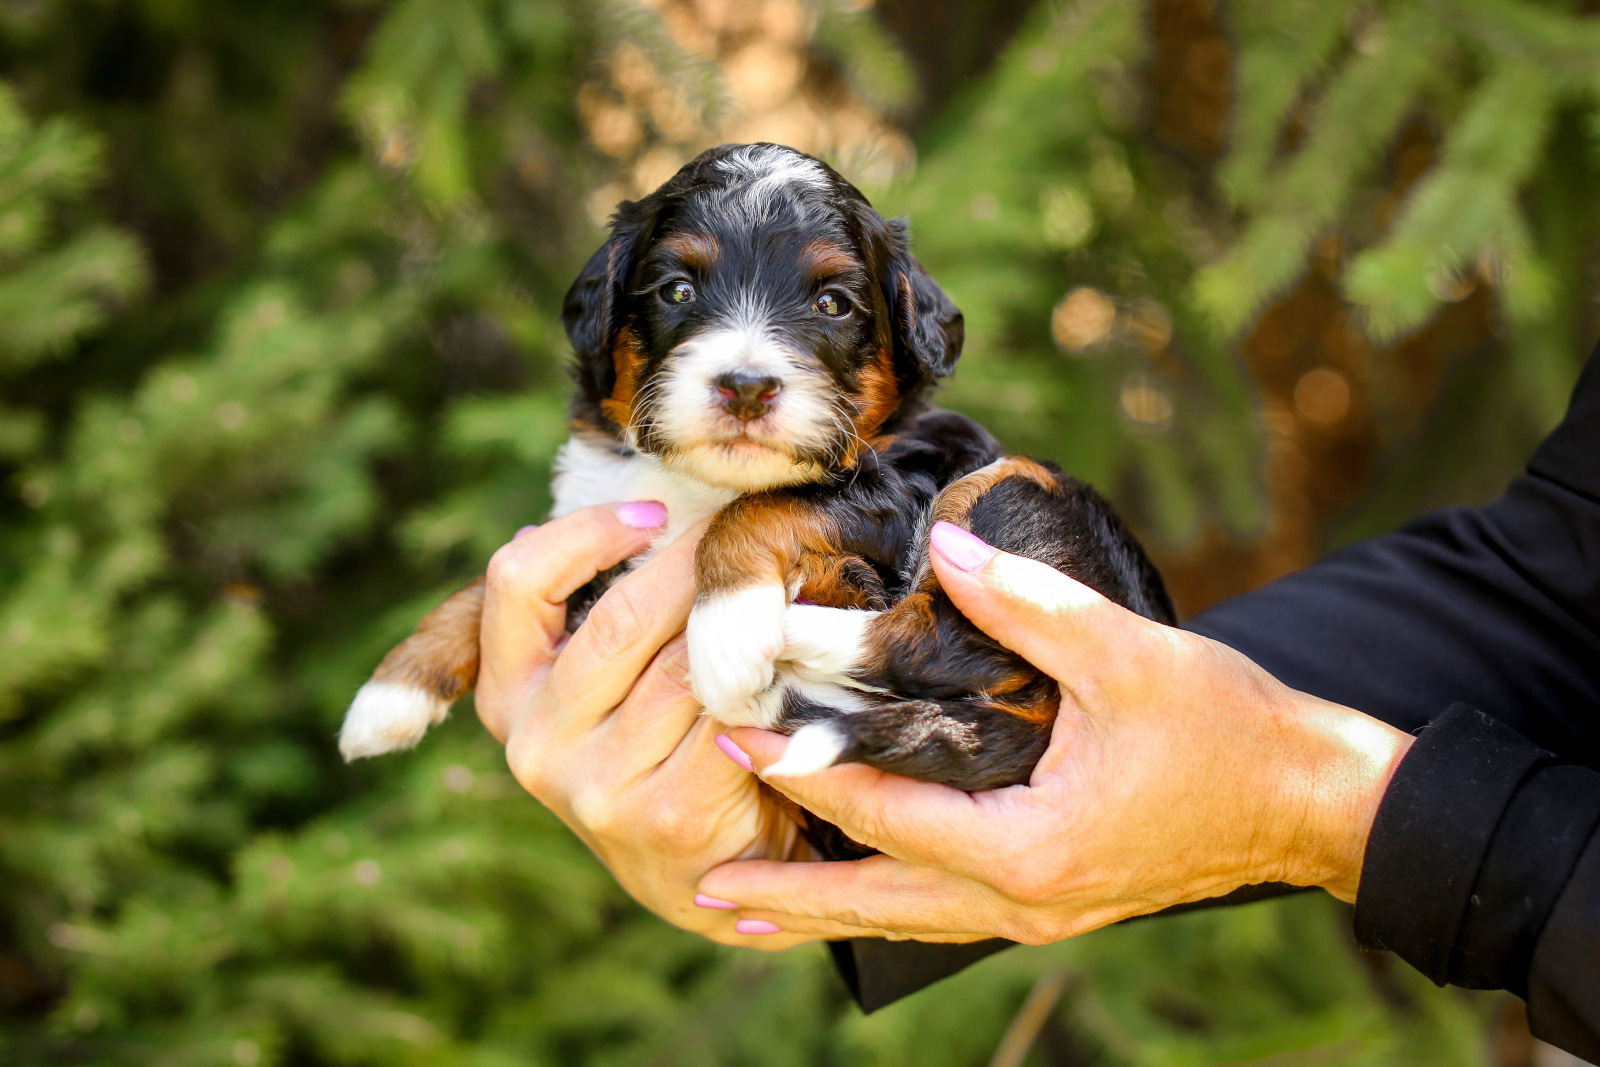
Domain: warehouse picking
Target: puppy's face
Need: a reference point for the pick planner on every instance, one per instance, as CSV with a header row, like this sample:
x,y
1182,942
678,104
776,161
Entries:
x,y
754,321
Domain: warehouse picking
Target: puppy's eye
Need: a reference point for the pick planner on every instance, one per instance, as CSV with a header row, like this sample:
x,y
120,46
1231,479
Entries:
x,y
678,293
833,304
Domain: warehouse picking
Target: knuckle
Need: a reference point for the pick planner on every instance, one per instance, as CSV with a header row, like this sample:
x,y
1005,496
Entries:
x,y
616,622
1029,929
848,914
676,825
673,664
596,813
1024,883
508,571
866,825
531,772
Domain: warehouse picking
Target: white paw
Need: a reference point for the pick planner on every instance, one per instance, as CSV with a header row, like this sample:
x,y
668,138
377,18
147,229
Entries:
x,y
814,747
386,718
765,709
827,642
733,640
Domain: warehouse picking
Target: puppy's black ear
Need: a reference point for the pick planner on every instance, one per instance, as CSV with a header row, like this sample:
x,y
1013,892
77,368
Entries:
x,y
594,306
928,328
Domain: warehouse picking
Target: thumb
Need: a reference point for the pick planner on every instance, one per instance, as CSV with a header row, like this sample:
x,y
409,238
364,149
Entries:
x,y
1053,621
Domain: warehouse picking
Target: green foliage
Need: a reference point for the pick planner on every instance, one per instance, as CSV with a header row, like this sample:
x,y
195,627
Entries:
x,y
221,502
1043,183
54,287
1046,180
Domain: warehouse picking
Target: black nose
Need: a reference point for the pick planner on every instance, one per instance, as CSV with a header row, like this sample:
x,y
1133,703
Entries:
x,y
747,396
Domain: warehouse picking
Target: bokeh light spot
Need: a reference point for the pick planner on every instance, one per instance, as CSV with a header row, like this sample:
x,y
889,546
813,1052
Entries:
x,y
1322,396
1083,318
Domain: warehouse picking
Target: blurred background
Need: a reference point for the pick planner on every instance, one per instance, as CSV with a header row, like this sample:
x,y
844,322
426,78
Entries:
x,y
280,365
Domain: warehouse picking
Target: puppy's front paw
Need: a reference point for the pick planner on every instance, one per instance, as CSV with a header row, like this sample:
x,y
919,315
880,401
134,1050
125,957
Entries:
x,y
733,640
828,642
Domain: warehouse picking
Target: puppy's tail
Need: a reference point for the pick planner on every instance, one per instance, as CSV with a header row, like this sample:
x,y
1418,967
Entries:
x,y
971,744
418,680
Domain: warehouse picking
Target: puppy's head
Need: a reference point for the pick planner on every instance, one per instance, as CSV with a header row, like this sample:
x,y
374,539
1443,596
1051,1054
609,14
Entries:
x,y
754,321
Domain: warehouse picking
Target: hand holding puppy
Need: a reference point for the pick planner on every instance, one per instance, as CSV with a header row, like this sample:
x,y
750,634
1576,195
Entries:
x,y
601,726
1178,770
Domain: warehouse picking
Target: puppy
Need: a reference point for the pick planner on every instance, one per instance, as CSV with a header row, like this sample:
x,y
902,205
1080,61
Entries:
x,y
756,344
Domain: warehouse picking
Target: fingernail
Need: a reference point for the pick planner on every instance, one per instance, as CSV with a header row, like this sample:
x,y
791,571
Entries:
x,y
735,753
703,901
757,926
960,547
642,514
525,529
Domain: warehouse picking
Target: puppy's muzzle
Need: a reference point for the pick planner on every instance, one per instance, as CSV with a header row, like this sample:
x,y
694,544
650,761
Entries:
x,y
747,396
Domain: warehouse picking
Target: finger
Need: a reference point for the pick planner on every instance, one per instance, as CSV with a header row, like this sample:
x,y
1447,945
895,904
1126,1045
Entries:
x,y
919,822
658,712
1053,621
530,579
879,894
829,929
621,635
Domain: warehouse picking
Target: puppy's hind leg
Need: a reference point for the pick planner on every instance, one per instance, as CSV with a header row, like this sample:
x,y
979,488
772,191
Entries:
x,y
971,744
418,680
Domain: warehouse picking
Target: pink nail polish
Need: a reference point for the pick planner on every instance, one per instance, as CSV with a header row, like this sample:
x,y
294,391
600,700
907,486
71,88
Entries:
x,y
756,926
525,529
642,514
703,901
960,547
735,753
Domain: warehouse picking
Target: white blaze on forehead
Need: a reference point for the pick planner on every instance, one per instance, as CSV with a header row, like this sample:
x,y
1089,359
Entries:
x,y
768,171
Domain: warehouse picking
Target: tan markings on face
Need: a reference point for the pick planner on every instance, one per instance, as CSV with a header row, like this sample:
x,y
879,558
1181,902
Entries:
x,y
697,251
824,258
628,359
880,394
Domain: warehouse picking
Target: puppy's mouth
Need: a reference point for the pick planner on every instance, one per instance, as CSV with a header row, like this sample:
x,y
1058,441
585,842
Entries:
x,y
743,460
743,444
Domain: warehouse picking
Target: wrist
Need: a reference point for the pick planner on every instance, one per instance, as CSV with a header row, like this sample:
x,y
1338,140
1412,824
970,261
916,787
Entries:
x,y
1346,762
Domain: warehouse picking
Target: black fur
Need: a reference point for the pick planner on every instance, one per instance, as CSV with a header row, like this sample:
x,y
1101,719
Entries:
x,y
964,710
898,304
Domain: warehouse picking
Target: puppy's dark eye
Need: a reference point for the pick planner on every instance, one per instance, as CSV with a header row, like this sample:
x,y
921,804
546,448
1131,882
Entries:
x,y
678,293
833,304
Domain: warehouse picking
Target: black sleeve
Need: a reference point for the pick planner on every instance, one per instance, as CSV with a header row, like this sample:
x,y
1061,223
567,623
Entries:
x,y
1480,628
1494,880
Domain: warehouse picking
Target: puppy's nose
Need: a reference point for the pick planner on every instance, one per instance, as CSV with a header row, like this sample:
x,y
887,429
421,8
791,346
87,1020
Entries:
x,y
747,396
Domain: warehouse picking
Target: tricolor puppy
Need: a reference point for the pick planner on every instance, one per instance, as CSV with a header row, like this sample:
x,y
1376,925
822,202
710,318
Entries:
x,y
756,344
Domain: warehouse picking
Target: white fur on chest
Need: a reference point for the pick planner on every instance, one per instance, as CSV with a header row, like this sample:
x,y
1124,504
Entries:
x,y
588,473
730,649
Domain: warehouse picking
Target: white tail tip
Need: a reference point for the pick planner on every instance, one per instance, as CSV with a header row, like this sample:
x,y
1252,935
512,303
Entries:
x,y
387,718
814,747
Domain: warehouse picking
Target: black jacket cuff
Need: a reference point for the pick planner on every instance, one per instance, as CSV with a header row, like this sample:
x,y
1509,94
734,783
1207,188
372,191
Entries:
x,y
1474,843
1564,986
879,972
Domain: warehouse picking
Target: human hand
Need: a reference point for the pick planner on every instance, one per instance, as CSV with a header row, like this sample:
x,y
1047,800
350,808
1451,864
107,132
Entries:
x,y
1178,770
601,727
